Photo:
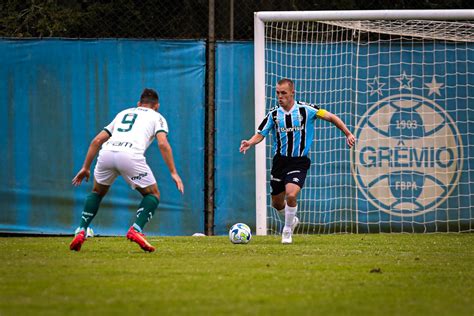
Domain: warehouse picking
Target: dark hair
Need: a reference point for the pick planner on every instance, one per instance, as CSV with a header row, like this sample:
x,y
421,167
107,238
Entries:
x,y
288,81
149,96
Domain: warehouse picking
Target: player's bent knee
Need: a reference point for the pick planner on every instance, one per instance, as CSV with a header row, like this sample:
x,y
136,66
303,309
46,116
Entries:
x,y
278,205
100,190
292,194
150,190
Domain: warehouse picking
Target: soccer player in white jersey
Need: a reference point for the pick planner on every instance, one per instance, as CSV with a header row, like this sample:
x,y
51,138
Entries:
x,y
124,142
292,127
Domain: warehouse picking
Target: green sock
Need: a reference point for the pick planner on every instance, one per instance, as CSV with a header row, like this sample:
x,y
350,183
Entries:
x,y
145,211
90,209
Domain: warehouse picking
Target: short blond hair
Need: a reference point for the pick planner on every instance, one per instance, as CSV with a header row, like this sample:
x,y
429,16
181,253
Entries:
x,y
288,81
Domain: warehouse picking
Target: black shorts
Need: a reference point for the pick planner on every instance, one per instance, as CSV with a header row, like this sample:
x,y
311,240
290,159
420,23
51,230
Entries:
x,y
288,170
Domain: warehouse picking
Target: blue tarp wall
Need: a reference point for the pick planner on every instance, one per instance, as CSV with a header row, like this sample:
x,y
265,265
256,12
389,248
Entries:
x,y
56,95
235,120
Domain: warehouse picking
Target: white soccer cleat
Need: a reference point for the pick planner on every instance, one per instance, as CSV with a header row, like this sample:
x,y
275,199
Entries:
x,y
296,221
286,236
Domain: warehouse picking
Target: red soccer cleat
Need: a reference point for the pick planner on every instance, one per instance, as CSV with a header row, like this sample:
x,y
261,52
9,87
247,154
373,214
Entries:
x,y
78,240
139,238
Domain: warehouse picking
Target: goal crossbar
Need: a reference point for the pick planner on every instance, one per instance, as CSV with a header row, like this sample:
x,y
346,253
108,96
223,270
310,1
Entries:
x,y
285,16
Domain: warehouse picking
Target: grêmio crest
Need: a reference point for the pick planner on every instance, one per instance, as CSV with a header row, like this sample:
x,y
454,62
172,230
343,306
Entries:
x,y
408,154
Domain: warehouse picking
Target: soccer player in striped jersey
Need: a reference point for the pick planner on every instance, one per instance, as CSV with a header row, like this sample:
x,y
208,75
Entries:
x,y
124,142
292,127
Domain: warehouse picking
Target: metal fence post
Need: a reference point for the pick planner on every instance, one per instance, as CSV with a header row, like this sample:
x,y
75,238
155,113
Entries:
x,y
210,125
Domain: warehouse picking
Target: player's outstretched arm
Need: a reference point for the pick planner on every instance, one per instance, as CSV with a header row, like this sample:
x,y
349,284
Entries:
x,y
254,140
94,148
328,116
167,154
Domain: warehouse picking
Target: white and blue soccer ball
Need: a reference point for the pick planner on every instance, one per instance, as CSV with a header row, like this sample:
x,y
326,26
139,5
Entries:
x,y
240,233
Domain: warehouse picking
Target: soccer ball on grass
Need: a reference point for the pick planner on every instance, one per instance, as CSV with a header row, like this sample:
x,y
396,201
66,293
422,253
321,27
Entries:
x,y
240,233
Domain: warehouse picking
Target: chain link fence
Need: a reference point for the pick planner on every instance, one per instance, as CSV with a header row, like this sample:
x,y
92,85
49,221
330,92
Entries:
x,y
177,19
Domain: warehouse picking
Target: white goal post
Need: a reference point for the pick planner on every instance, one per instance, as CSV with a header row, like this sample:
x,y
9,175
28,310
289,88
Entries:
x,y
403,81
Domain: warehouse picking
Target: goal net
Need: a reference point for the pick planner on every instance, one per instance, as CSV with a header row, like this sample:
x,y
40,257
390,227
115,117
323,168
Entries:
x,y
403,82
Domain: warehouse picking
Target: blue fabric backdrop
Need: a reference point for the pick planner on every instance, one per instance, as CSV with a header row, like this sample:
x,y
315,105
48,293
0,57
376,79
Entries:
x,y
57,94
235,173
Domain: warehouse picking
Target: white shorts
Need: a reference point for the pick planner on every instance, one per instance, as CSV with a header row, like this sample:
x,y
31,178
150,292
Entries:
x,y
133,168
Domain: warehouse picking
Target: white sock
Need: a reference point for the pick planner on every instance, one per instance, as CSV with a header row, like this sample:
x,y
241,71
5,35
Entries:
x,y
290,213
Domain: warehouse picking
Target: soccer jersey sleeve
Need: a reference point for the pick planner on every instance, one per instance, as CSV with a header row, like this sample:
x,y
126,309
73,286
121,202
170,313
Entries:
x,y
161,125
110,128
314,110
266,126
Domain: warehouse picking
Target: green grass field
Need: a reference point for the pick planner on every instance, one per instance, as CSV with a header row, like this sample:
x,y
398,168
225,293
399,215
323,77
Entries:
x,y
378,274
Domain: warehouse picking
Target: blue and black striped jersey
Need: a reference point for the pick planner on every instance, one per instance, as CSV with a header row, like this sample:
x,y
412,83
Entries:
x,y
292,131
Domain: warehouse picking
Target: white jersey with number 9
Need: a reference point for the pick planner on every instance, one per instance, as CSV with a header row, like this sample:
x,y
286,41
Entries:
x,y
134,129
